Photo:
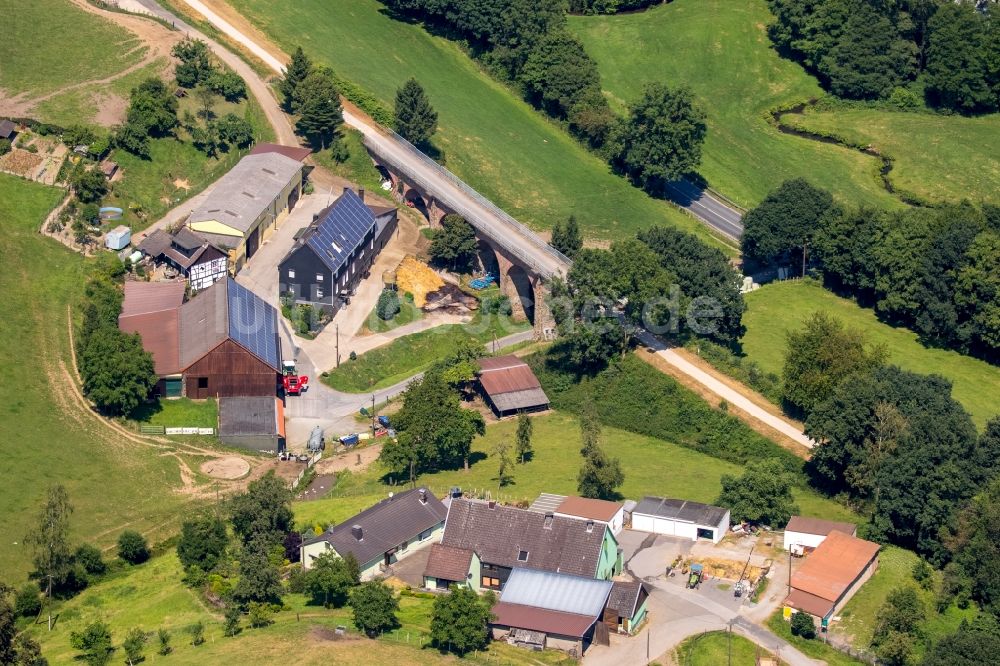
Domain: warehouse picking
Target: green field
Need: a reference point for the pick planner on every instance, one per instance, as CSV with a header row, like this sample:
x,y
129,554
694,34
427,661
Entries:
x,y
51,44
720,49
717,647
494,141
810,647
651,467
777,308
937,158
44,437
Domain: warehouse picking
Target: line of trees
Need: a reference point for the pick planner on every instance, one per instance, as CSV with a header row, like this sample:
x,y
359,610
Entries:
x,y
871,50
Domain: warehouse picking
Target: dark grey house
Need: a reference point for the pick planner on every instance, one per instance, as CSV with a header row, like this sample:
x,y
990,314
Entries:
x,y
335,251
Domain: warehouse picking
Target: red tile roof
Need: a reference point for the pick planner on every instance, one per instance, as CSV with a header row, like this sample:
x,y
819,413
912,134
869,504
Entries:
x,y
819,526
539,619
593,509
151,309
145,297
448,563
835,564
294,152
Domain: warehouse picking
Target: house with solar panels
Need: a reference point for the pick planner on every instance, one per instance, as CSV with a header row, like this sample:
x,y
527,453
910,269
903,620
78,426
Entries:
x,y
336,251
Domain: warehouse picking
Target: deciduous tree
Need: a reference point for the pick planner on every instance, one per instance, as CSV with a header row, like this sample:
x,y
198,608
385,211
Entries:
x,y
203,542
762,495
93,643
460,621
566,237
132,547
525,428
330,579
263,513
49,540
134,645
454,245
505,474
118,373
374,606
782,226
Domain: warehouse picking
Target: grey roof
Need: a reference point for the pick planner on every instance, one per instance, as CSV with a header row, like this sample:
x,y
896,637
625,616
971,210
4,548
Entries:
x,y
499,534
681,510
625,597
6,128
547,503
529,399
557,592
229,310
248,416
385,525
240,196
340,229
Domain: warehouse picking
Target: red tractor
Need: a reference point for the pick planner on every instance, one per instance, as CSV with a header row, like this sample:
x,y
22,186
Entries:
x,y
293,383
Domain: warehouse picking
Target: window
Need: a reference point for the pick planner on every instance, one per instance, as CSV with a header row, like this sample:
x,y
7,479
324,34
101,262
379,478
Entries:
x,y
319,292
493,583
426,534
291,273
319,277
203,382
522,556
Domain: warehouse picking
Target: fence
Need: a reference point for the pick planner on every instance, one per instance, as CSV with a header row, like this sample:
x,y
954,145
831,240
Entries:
x,y
312,461
504,217
163,430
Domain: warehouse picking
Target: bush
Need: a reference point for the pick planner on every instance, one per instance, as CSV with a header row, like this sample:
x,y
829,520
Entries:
x,y
197,631
388,305
260,615
4,146
904,99
164,637
89,557
232,626
28,602
803,625
132,547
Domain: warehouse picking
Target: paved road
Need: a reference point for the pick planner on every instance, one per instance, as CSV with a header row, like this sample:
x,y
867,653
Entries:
x,y
707,207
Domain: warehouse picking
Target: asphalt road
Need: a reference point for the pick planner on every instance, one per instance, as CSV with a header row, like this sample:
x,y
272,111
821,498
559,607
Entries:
x,y
708,208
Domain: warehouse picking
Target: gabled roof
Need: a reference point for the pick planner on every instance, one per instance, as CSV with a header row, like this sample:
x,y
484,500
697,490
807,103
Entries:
x,y
339,229
161,244
510,383
385,525
556,592
539,619
499,535
624,598
592,509
447,563
151,310
835,564
6,128
819,526
294,152
145,297
681,510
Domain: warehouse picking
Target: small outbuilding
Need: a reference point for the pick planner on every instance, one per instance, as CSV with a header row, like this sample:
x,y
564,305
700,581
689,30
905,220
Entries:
x,y
255,423
681,518
804,534
109,169
626,608
8,130
447,566
509,386
118,238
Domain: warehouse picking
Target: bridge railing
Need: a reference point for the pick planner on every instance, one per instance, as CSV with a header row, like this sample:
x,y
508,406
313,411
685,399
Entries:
x,y
503,216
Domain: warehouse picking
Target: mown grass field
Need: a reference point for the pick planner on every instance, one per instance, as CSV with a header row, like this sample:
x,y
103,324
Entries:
x,y
937,158
715,648
811,648
44,439
50,44
720,50
777,308
651,467
498,144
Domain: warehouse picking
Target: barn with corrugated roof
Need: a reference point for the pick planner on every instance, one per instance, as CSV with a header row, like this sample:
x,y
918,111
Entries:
x,y
509,386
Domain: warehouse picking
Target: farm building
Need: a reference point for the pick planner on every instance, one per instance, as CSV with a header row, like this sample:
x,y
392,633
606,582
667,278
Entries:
x,y
680,518
449,566
382,534
509,386
581,508
803,534
8,130
558,610
255,423
222,343
626,607
831,575
108,168
248,203
189,254
505,537
336,251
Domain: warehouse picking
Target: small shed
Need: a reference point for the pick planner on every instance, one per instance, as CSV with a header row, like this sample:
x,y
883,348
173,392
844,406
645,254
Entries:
x,y
118,238
626,608
509,386
109,169
8,130
804,534
255,423
681,518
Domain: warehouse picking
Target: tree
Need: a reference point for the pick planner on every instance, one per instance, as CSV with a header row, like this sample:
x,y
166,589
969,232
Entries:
x,y
523,448
975,643
206,100
460,621
134,645
163,636
957,60
897,626
259,580
90,185
203,542
820,356
762,495
330,579
118,374
567,238
229,84
600,476
152,108
977,293
416,119
232,626
49,540
197,631
93,643
91,559
505,474
558,74
374,606
195,66
661,138
264,511
782,226
260,615
8,627
233,130
387,306
133,138
132,547
803,625
318,104
27,602
27,651
298,69
454,245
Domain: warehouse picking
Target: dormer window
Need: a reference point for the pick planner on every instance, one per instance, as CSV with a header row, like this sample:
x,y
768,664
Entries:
x,y
522,556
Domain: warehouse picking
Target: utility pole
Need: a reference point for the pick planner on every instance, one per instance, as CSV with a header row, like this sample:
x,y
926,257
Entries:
x,y
336,327
373,414
729,643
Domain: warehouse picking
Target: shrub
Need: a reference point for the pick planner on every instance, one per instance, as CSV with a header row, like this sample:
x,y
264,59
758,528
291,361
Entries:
x,y
388,305
232,626
28,602
197,631
132,547
803,625
164,637
89,557
260,615
4,146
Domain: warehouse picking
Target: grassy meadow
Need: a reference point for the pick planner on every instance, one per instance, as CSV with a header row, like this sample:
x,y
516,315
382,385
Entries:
x,y
720,49
716,647
494,141
777,308
44,437
937,158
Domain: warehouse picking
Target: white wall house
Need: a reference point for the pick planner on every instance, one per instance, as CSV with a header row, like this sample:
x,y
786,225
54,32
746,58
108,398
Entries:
x,y
804,534
680,518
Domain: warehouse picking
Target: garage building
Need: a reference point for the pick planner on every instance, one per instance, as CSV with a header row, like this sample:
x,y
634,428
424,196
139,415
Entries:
x,y
681,518
804,534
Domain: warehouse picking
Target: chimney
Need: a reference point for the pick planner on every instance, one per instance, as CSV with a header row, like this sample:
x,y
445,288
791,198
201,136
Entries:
x,y
346,189
357,532
491,504
423,496
361,192
590,526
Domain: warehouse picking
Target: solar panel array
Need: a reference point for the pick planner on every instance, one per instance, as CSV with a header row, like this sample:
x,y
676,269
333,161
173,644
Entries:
x,y
253,324
341,230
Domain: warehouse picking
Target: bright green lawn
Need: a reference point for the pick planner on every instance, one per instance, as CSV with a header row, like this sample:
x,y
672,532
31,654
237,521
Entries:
x,y
715,648
408,313
814,648
43,442
651,467
721,50
937,158
497,143
181,413
777,308
50,44
358,168
408,355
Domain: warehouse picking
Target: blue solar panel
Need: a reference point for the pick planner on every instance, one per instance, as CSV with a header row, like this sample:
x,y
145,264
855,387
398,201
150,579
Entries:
x,y
341,230
253,324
